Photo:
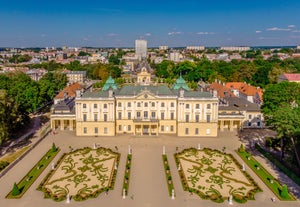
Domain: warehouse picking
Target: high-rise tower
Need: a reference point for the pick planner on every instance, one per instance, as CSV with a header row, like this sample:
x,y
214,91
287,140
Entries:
x,y
141,49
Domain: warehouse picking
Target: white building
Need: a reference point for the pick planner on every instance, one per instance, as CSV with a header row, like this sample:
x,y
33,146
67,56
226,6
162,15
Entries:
x,y
174,56
141,49
232,48
195,48
163,47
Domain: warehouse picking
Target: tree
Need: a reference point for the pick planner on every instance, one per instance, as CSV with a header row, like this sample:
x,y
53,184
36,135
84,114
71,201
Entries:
x,y
114,59
282,113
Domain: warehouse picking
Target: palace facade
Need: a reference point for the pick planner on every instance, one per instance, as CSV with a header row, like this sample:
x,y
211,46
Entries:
x,y
146,108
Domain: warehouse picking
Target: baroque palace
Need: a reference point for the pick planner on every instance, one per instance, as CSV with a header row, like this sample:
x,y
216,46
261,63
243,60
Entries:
x,y
145,108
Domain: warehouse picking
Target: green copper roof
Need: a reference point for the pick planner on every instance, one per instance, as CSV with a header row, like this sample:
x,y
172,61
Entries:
x,y
110,82
180,83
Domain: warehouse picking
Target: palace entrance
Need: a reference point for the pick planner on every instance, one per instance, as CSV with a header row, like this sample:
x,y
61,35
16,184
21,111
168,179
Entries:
x,y
145,129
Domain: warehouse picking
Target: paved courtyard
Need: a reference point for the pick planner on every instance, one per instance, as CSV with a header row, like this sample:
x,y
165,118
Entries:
x,y
147,186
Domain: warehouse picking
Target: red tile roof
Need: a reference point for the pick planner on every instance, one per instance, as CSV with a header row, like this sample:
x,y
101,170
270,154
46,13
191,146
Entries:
x,y
71,90
245,88
222,90
292,76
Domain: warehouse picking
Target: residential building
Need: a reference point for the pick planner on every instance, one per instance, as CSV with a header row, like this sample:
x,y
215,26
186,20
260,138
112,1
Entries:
x,y
290,77
163,47
76,76
141,49
195,48
234,48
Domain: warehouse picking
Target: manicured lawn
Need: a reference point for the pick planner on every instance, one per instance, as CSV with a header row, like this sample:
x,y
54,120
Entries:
x,y
168,174
127,174
264,175
82,174
214,175
34,173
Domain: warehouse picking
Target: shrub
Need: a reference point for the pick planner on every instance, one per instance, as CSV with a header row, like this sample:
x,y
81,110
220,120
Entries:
x,y
3,164
54,148
242,148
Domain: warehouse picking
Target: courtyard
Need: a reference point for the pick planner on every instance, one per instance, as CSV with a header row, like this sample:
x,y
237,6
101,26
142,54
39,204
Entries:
x,y
147,182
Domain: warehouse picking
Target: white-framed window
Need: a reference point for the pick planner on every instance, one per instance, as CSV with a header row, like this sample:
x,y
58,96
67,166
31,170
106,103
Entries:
x,y
84,117
95,106
197,131
84,106
208,118
105,131
172,115
171,128
162,116
129,115
162,104
120,127
186,131
105,106
84,130
96,130
197,118
187,106
153,104
162,128
197,106
95,117
172,104
208,106
119,104
105,117
187,118
129,127
129,104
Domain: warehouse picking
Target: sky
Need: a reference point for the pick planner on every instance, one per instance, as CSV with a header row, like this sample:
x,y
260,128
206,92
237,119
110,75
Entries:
x,y
175,23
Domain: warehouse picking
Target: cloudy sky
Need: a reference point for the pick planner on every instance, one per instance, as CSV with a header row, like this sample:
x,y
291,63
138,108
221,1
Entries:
x,y
117,23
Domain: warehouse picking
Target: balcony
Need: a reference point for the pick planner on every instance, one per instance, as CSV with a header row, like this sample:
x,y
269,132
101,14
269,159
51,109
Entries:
x,y
143,120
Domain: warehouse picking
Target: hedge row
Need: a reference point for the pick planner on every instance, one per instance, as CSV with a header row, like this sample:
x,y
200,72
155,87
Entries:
x,y
168,174
127,174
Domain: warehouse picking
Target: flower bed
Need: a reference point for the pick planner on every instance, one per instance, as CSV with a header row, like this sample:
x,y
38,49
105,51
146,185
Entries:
x,y
214,175
272,183
34,173
127,174
82,174
168,174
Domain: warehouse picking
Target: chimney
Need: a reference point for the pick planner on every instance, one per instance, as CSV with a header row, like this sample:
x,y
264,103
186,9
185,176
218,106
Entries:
x,y
215,93
78,93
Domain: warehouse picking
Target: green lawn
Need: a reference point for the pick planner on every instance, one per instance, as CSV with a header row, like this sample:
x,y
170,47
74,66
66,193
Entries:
x,y
264,175
34,173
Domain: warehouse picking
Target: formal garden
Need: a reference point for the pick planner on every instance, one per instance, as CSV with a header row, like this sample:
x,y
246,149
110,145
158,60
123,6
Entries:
x,y
81,174
215,175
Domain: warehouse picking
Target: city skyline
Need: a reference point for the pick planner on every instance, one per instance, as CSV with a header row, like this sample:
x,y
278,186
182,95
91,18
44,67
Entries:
x,y
117,24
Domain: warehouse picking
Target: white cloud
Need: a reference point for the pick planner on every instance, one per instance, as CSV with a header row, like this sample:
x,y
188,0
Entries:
x,y
257,31
147,34
278,29
174,33
205,33
291,26
296,31
268,38
112,34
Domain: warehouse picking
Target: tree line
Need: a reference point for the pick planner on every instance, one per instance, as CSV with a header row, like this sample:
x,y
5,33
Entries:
x,y
258,72
20,96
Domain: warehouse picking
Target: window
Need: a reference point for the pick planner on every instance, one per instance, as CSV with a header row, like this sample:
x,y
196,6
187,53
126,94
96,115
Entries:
x,y
249,123
153,104
172,116
171,128
120,127
129,127
145,114
84,130
172,104
138,115
186,130
162,104
105,117
105,130
197,106
250,116
162,116
153,115
129,104
145,104
187,106
84,106
162,128
95,117
258,123
119,104
84,117
96,130
187,118
129,115
95,106
138,104
197,118
208,118
208,106
197,131
120,115
105,106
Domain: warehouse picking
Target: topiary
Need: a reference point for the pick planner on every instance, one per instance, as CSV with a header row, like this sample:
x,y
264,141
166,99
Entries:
x,y
54,148
241,148
284,192
15,191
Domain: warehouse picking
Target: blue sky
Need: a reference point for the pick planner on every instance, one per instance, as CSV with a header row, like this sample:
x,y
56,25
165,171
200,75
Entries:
x,y
117,23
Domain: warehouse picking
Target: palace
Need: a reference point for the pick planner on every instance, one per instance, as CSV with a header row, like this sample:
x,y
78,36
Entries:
x,y
147,108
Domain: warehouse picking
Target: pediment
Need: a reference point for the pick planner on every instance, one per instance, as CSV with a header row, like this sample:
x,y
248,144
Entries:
x,y
145,94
